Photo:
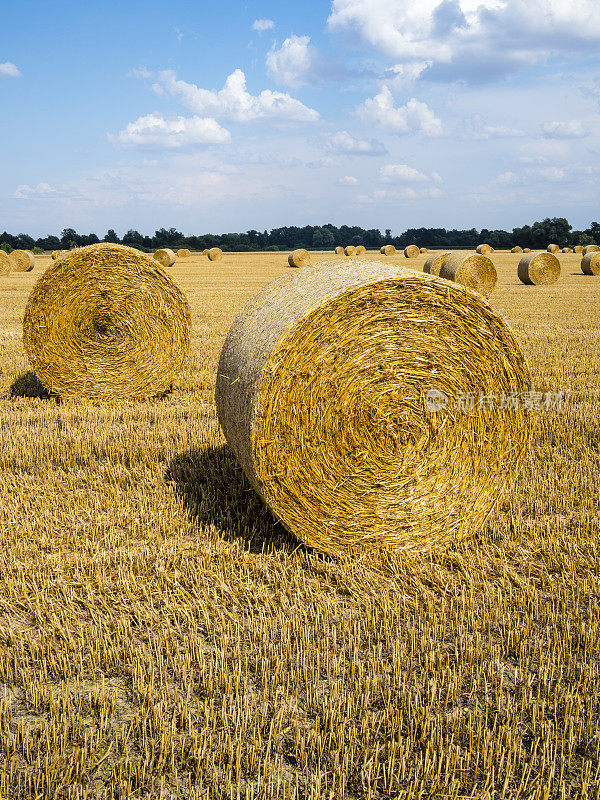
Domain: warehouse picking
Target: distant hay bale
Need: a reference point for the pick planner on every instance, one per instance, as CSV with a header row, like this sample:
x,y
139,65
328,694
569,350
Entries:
x,y
183,253
590,263
388,250
299,258
567,250
56,254
517,249
423,250
539,269
527,249
214,254
22,261
350,250
165,257
5,263
578,248
363,454
590,248
484,249
472,270
205,252
106,322
434,263
412,251
360,249
339,250
553,248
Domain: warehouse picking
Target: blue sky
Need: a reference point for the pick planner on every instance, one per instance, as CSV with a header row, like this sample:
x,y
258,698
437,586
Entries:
x,y
231,116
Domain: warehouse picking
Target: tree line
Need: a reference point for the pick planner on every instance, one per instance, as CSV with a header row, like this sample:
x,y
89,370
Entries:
x,y
322,237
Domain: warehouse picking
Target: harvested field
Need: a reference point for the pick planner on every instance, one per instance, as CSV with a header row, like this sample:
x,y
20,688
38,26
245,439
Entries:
x,y
162,636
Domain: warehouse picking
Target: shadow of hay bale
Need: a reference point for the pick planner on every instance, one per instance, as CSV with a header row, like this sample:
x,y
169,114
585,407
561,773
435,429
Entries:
x,y
27,385
216,492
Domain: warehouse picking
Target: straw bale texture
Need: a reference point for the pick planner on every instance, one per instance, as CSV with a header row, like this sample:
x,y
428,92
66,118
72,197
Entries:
x,y
360,249
183,253
484,249
517,249
590,248
388,250
5,265
205,252
553,248
215,254
56,254
434,263
590,263
350,250
299,258
567,250
106,322
527,249
339,250
539,269
472,270
165,257
412,251
578,248
22,261
351,456
423,250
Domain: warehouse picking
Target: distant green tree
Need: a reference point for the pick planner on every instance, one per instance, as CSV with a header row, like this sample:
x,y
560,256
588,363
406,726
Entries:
x,y
111,236
6,247
322,239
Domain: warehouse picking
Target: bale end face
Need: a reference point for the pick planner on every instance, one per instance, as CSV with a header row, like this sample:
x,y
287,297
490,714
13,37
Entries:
x,y
412,251
517,249
350,250
215,254
434,263
484,249
165,257
360,250
590,248
388,250
183,253
22,260
423,250
474,271
299,258
553,248
339,250
590,263
538,269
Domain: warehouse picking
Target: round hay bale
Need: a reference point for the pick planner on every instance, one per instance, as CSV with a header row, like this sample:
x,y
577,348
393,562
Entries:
x,y
472,270
205,252
423,250
215,254
361,453
106,322
590,263
539,269
517,249
578,248
434,263
5,263
339,250
484,249
553,248
360,249
299,258
183,253
165,256
527,249
56,254
22,260
388,250
350,250
567,250
412,251
590,248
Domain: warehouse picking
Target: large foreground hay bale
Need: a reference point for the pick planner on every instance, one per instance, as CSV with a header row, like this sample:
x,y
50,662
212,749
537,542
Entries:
x,y
387,250
434,263
538,269
590,263
362,452
553,248
299,258
590,248
350,250
165,257
215,254
106,322
472,270
339,250
484,249
360,249
412,251
22,260
517,249
5,264
183,253
423,250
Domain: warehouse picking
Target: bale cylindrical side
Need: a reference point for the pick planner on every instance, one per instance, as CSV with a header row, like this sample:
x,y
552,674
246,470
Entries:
x,y
472,270
517,249
578,248
22,260
387,250
484,249
183,253
373,449
339,250
434,263
214,254
106,323
5,263
539,269
590,248
299,258
412,251
350,250
165,256
553,248
205,251
423,250
360,249
590,263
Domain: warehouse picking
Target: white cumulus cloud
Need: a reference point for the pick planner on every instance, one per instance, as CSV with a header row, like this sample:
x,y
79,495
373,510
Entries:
x,y
9,70
404,174
234,101
153,130
346,144
291,64
573,129
413,117
348,180
261,25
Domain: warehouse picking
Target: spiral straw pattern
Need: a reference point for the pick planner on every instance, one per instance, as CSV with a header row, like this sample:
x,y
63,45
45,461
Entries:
x,y
484,249
474,271
360,250
590,248
339,250
412,251
22,261
553,248
590,263
387,250
539,269
165,257
106,322
349,455
299,258
350,250
215,254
